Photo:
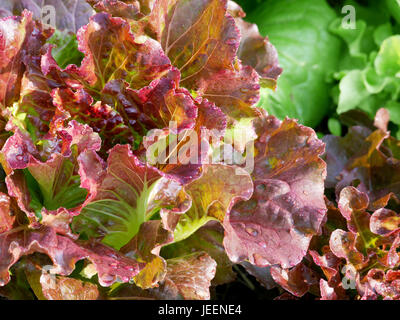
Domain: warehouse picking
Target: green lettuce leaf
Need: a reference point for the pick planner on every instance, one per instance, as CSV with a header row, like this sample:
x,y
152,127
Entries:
x,y
213,196
126,194
308,54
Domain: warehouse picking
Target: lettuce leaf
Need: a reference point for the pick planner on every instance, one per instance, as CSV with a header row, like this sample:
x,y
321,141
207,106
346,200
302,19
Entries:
x,y
287,207
308,53
213,196
64,252
126,194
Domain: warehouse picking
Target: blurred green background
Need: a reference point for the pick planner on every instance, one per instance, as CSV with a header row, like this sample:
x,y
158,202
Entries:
x,y
332,72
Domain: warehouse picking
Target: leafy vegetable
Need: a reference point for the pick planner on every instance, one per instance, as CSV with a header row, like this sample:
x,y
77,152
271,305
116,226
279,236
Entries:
x,y
308,53
127,194
85,109
287,206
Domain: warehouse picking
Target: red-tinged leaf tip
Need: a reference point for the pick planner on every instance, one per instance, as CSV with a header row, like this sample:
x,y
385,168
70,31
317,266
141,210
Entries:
x,y
382,118
331,293
384,222
257,52
352,200
118,8
342,244
330,265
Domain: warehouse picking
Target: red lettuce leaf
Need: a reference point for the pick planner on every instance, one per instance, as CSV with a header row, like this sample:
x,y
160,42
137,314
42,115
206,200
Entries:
x,y
201,40
188,277
64,288
384,222
104,120
111,266
48,286
145,247
7,217
329,293
192,275
153,106
208,239
384,284
255,50
55,180
287,208
297,280
112,52
330,265
19,39
123,9
372,166
70,14
213,196
370,244
180,155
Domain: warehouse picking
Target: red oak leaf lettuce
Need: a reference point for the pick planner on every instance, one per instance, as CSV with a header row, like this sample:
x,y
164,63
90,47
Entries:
x,y
373,166
369,246
176,78
51,182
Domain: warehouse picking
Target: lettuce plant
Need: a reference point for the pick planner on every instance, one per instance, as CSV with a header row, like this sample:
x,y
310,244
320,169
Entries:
x,y
135,162
308,53
85,214
368,70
